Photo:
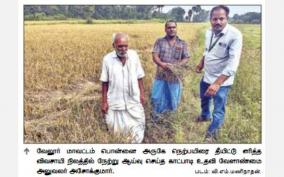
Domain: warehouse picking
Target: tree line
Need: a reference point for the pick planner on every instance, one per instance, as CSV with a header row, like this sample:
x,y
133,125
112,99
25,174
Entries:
x,y
139,12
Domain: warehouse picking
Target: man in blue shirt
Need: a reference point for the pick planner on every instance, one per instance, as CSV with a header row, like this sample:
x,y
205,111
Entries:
x,y
223,45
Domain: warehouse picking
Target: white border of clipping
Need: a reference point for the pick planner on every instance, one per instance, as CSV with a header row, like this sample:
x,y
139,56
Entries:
x,y
27,165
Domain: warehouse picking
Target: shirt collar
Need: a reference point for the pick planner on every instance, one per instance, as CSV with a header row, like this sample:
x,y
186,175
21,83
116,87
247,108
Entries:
x,y
177,38
114,56
225,30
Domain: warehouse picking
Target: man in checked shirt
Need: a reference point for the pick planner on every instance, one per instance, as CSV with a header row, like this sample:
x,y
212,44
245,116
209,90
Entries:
x,y
167,52
223,45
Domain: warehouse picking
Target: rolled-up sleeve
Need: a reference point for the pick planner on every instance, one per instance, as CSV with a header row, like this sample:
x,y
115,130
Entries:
x,y
157,47
185,53
139,69
206,43
235,50
104,74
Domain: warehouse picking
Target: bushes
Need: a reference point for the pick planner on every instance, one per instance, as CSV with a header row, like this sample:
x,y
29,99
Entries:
x,y
42,16
89,21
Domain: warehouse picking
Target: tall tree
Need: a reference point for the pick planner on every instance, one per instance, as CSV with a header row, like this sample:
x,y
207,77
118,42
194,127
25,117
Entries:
x,y
189,15
177,13
88,11
199,14
144,11
76,11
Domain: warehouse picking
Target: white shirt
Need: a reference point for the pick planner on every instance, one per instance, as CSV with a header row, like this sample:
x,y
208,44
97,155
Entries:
x,y
123,89
224,57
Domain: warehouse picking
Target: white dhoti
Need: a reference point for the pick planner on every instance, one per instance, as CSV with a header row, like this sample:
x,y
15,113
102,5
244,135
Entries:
x,y
130,121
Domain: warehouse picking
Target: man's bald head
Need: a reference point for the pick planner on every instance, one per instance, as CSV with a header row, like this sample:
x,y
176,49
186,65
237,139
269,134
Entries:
x,y
120,44
119,36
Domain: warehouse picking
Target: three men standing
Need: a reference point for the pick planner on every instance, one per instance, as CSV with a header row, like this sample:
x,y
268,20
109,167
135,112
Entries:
x,y
223,45
122,85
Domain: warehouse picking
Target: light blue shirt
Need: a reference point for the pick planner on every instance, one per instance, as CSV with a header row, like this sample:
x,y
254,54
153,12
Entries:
x,y
224,57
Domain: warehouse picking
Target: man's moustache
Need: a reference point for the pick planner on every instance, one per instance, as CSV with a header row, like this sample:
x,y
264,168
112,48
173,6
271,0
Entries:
x,y
120,54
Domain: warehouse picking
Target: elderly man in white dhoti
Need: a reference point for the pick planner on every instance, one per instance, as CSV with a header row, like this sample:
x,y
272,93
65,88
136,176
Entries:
x,y
123,90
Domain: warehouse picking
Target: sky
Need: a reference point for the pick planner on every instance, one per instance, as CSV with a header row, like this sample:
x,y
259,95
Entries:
x,y
233,9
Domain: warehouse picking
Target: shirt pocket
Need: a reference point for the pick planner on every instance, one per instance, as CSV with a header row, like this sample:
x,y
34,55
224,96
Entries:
x,y
221,50
177,52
